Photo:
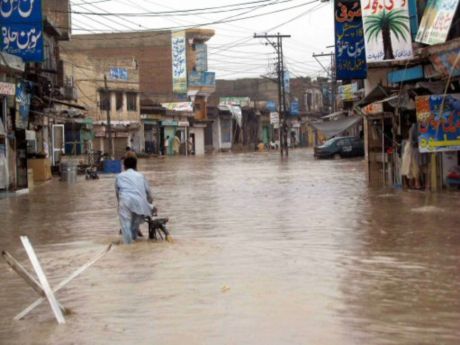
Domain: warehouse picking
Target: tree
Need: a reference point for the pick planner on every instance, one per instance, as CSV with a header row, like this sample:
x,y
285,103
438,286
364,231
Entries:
x,y
395,21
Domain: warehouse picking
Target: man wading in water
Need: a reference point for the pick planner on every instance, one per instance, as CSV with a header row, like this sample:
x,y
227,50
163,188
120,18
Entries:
x,y
134,199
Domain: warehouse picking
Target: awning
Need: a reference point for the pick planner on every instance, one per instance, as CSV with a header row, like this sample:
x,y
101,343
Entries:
x,y
332,128
377,94
330,116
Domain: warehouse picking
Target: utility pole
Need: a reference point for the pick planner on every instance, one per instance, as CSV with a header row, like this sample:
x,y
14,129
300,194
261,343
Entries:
x,y
278,46
109,124
331,74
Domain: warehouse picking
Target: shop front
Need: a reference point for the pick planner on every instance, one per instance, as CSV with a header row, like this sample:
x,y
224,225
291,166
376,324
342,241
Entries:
x,y
168,134
151,136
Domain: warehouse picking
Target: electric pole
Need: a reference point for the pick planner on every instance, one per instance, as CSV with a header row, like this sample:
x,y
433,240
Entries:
x,y
331,74
278,46
108,104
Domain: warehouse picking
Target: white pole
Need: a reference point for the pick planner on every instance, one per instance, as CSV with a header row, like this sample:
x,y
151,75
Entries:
x,y
43,280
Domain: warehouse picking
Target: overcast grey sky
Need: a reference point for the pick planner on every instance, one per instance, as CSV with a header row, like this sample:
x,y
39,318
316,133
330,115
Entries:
x,y
233,53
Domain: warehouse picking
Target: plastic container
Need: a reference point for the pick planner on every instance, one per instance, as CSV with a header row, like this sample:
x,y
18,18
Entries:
x,y
112,166
69,172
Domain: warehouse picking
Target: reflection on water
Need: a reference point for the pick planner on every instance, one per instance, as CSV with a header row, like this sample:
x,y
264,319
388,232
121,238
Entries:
x,y
267,251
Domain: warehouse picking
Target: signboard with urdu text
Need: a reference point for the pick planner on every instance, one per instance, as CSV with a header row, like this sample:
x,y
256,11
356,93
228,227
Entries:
x,y
241,101
386,30
179,106
202,79
117,73
7,89
179,62
295,109
22,29
350,52
23,98
201,60
438,121
347,92
436,21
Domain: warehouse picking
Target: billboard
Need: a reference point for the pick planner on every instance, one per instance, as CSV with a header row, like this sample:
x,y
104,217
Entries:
x,y
202,79
347,92
23,99
295,108
350,52
241,101
447,63
386,30
438,119
436,21
287,82
179,62
22,29
201,57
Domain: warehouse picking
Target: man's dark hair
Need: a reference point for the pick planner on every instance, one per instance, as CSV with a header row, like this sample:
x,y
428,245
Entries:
x,y
130,163
128,148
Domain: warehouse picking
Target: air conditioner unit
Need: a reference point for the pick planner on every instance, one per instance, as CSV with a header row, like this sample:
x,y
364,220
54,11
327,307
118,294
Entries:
x,y
70,93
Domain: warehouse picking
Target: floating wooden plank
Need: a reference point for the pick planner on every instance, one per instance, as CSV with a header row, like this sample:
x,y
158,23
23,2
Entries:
x,y
43,280
24,274
63,283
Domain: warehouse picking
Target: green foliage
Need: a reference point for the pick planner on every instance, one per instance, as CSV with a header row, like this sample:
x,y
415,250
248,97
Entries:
x,y
395,21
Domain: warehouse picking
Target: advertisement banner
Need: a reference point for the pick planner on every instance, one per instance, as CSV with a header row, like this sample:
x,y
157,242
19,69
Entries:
x,y
22,29
179,62
287,82
295,109
202,79
347,92
350,52
386,30
271,106
22,104
438,119
436,21
179,106
241,101
7,89
201,53
447,63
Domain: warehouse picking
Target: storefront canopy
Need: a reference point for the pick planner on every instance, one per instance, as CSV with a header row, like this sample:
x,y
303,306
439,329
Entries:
x,y
332,128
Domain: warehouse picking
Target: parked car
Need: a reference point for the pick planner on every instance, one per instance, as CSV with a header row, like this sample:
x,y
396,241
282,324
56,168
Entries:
x,y
340,147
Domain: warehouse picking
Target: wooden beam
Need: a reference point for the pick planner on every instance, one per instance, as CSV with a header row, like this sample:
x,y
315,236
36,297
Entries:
x,y
43,280
23,273
28,278
63,283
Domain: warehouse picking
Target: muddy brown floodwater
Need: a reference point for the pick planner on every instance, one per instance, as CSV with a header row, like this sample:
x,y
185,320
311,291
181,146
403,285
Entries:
x,y
267,252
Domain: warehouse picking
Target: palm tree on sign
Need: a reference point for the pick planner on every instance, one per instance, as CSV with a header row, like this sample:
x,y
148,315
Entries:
x,y
395,21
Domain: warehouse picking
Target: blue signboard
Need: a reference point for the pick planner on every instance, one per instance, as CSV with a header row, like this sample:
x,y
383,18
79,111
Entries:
x,y
295,108
271,106
22,104
22,29
201,61
438,120
202,79
117,73
350,52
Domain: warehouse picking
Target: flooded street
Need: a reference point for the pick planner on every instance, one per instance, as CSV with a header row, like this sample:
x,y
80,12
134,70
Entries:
x,y
267,251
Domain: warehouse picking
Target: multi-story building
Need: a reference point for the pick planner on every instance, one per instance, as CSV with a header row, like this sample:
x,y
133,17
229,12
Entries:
x,y
106,87
172,70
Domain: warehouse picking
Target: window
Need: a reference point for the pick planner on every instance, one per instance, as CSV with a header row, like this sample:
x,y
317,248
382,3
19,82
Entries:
x,y
119,101
104,100
131,101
